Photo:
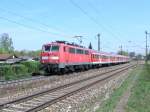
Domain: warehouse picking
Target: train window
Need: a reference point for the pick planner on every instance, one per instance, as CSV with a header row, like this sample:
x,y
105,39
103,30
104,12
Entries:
x,y
104,57
46,48
100,56
55,48
86,52
79,51
97,56
92,55
71,50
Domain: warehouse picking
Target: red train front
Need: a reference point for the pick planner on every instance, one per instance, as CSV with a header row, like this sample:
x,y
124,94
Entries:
x,y
60,55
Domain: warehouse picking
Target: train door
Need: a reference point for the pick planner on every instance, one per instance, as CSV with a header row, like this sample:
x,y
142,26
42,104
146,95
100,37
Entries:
x,y
92,55
72,55
66,54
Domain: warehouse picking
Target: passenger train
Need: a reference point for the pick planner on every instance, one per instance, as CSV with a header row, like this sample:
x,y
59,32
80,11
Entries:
x,y
61,56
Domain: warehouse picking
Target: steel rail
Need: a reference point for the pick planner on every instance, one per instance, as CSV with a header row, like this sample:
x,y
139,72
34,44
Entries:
x,y
48,103
21,80
54,89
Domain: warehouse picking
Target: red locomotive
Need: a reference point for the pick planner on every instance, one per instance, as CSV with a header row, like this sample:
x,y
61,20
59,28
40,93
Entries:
x,y
62,56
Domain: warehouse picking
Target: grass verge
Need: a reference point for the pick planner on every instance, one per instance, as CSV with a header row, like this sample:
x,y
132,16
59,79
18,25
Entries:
x,y
110,104
139,101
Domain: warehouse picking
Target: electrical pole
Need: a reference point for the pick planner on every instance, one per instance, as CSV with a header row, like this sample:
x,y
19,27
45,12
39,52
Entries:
x,y
121,49
79,38
146,47
128,48
99,47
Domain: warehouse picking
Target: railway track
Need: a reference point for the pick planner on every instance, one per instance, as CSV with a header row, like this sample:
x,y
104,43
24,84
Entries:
x,y
20,81
43,99
36,81
6,83
12,91
17,82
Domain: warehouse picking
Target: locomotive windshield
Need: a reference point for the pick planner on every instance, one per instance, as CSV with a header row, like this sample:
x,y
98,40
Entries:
x,y
48,48
55,48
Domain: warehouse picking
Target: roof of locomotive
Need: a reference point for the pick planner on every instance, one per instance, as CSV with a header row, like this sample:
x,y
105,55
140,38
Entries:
x,y
67,43
82,47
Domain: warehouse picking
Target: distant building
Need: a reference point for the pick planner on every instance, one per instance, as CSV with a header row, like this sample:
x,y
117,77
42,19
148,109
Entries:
x,y
8,58
4,57
11,59
29,58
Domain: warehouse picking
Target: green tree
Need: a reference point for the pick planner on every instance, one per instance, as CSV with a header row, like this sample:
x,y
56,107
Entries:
x,y
90,46
2,50
132,54
123,53
6,43
28,53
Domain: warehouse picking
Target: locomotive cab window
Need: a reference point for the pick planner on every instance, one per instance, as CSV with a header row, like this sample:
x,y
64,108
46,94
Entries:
x,y
55,48
46,48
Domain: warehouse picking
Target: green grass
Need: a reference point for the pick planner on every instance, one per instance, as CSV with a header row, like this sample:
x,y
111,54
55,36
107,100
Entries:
x,y
110,104
139,100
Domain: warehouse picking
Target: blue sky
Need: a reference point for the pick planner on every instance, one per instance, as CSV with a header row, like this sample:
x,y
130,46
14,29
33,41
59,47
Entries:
x,y
117,21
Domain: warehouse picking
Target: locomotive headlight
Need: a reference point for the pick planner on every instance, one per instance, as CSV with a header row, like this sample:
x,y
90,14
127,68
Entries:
x,y
54,57
44,57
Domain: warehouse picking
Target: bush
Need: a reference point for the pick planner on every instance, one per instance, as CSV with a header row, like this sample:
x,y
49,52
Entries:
x,y
33,66
13,71
10,72
19,69
6,71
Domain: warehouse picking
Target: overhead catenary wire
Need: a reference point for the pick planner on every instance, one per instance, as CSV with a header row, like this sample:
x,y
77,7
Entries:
x,y
19,2
27,18
31,27
94,20
99,13
27,26
39,29
33,21
136,45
